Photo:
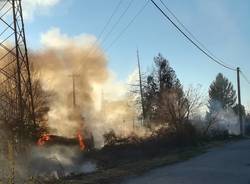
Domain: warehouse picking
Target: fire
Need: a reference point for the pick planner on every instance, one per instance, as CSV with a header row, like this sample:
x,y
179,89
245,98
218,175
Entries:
x,y
81,141
46,137
41,141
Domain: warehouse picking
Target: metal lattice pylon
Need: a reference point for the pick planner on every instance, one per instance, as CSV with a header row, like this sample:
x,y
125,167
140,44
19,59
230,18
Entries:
x,y
16,98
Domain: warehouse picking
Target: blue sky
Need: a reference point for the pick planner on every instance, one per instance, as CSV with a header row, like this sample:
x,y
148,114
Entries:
x,y
222,25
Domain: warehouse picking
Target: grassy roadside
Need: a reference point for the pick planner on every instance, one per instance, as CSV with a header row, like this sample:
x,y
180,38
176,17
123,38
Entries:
x,y
118,172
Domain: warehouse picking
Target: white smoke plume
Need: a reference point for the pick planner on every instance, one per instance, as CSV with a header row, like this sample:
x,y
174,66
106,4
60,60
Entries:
x,y
227,120
223,119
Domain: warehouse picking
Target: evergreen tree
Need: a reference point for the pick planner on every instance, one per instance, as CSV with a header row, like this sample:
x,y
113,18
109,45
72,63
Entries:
x,y
161,84
165,75
221,95
150,97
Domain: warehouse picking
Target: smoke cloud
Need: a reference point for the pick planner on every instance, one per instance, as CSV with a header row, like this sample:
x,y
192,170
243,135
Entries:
x,y
101,101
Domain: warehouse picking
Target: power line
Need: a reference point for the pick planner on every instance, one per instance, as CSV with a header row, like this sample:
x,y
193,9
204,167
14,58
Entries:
x,y
109,20
191,40
105,26
117,22
128,25
245,77
191,34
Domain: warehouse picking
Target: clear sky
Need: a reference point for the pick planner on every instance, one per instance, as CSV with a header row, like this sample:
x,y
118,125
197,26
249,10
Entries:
x,y
222,25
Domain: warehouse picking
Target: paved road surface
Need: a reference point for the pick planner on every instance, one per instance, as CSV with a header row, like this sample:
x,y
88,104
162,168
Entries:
x,y
229,164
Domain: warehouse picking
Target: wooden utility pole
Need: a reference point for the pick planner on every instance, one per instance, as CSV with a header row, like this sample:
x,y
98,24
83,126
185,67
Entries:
x,y
141,90
103,106
74,76
239,102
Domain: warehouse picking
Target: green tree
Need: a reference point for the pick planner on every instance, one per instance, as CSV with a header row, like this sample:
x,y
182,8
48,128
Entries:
x,y
162,87
165,74
221,94
222,97
150,98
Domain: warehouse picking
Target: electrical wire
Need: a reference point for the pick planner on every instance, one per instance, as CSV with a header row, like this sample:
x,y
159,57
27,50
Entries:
x,y
245,77
191,34
191,40
117,22
113,27
105,26
128,25
110,18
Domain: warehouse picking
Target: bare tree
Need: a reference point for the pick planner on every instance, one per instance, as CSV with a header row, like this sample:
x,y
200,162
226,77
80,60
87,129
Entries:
x,y
195,100
9,115
211,121
177,106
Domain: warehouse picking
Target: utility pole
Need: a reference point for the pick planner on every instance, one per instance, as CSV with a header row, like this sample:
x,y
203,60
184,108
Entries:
x,y
239,102
141,91
103,106
74,76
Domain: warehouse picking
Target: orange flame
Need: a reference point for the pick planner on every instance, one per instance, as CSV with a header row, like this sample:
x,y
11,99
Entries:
x,y
81,141
42,140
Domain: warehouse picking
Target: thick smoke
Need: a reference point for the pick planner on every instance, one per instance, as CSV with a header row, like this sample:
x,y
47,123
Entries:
x,y
96,110
56,68
101,103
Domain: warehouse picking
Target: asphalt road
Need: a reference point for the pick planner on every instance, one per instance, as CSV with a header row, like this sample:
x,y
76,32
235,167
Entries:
x,y
229,164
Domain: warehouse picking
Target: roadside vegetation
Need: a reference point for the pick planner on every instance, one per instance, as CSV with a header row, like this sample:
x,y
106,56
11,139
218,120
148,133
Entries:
x,y
116,163
170,116
176,131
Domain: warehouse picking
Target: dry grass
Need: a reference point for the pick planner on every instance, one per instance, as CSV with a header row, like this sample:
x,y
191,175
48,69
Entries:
x,y
129,168
116,174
